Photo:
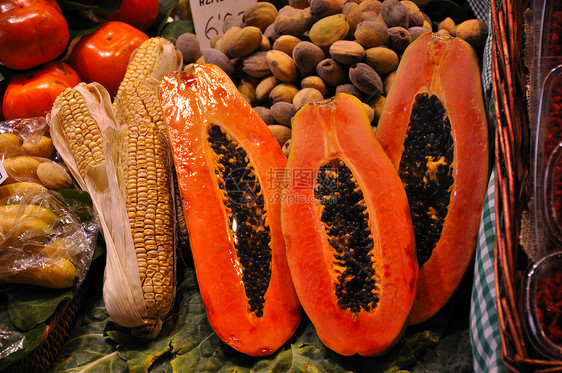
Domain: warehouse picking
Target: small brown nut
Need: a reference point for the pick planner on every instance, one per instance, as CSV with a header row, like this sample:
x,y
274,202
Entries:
x,y
213,41
415,32
366,79
188,45
350,89
283,112
352,14
54,176
299,4
286,43
306,96
270,32
394,13
328,30
382,59
280,132
247,87
292,22
256,65
473,31
398,39
427,26
43,148
286,148
265,114
307,55
446,24
283,92
282,66
347,51
415,15
242,42
315,82
324,8
232,21
265,43
370,112
264,87
331,72
216,57
388,82
377,103
370,6
371,34
260,15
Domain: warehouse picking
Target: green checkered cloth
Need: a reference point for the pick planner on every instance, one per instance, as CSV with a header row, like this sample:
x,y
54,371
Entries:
x,y
484,329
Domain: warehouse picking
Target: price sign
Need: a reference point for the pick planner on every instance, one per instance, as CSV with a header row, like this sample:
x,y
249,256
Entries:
x,y
209,16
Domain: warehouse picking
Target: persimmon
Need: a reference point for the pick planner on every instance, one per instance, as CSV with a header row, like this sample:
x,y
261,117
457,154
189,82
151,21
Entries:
x,y
103,55
32,33
32,93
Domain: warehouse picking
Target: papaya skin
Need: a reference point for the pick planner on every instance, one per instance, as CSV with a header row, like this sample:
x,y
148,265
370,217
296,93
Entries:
x,y
448,68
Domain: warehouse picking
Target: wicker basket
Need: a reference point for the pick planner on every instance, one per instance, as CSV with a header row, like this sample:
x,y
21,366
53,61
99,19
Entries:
x,y
512,188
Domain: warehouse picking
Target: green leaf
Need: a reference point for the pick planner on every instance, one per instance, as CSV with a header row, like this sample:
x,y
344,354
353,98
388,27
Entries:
x,y
31,340
164,10
173,30
87,349
29,307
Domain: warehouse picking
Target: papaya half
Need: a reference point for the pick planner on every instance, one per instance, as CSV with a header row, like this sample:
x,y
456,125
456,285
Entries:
x,y
346,221
230,172
434,129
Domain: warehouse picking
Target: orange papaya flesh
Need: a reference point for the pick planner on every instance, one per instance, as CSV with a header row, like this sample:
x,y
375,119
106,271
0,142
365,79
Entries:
x,y
226,160
434,129
346,220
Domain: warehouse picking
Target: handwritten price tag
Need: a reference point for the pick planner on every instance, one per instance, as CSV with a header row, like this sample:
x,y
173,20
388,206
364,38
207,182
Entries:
x,y
209,15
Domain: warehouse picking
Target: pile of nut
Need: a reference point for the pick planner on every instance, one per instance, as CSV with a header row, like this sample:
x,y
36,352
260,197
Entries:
x,y
310,50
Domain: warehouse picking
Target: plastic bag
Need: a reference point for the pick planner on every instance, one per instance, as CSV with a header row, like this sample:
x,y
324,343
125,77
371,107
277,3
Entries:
x,y
43,242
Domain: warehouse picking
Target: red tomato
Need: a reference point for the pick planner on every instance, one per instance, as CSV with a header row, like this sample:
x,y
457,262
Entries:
x,y
31,94
103,55
138,13
32,33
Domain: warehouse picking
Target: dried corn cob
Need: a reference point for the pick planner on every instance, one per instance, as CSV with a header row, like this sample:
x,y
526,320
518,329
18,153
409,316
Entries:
x,y
153,59
123,164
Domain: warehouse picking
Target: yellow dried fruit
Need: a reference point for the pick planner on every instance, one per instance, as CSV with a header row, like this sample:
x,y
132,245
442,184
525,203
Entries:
x,y
10,144
283,92
347,51
371,34
240,42
281,133
282,65
352,14
286,44
305,96
260,15
53,175
329,30
473,31
366,79
382,59
292,22
446,24
315,82
264,87
323,8
415,15
42,148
